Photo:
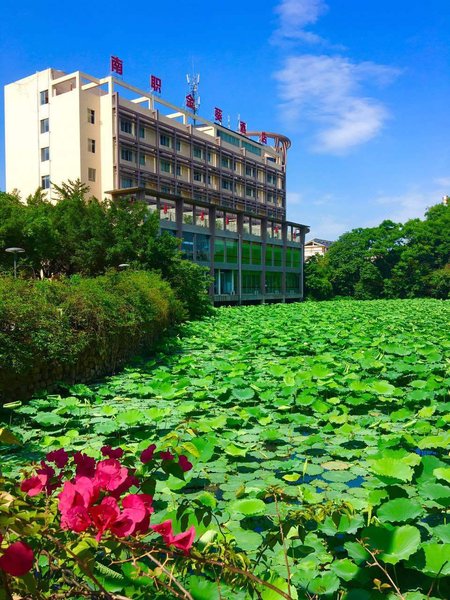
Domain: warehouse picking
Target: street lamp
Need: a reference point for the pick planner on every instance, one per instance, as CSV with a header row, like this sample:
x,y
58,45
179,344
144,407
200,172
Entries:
x,y
15,251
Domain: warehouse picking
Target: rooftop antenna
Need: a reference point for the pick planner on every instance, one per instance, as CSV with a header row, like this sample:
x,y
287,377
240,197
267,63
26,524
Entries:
x,y
193,98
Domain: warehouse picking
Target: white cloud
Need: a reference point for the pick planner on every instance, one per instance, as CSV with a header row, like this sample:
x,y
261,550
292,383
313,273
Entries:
x,y
410,205
326,91
444,184
294,16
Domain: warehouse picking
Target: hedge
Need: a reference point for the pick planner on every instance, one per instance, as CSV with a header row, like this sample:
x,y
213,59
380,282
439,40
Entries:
x,y
78,328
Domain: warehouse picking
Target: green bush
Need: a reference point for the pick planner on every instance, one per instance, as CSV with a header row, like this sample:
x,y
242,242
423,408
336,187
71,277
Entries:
x,y
88,324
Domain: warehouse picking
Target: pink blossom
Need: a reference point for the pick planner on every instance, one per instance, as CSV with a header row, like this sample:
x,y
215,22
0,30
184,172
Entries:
x,y
166,455
111,452
183,541
17,559
164,529
104,515
125,486
76,519
33,485
59,457
184,463
147,454
85,464
109,474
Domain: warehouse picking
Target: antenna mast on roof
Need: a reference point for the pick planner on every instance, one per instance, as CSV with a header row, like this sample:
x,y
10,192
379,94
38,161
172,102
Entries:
x,y
193,98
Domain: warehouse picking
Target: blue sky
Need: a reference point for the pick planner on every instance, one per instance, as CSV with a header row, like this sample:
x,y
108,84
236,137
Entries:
x,y
362,87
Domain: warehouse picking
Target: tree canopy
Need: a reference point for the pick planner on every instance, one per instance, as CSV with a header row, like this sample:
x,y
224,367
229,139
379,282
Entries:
x,y
392,260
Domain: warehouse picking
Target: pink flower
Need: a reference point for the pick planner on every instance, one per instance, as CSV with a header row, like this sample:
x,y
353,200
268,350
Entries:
x,y
76,519
34,485
136,515
59,457
164,529
17,560
166,455
104,515
183,541
111,452
125,486
184,463
147,454
109,474
85,464
82,493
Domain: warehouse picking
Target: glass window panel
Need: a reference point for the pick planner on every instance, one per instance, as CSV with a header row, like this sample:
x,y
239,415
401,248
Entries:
x,y
188,214
187,245
269,255
219,250
256,254
232,251
202,247
245,253
277,256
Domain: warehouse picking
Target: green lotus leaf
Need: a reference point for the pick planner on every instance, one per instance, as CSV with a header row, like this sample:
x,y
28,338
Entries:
x,y
243,393
392,468
325,584
382,387
235,451
203,589
399,510
394,544
442,473
437,559
248,507
130,417
345,569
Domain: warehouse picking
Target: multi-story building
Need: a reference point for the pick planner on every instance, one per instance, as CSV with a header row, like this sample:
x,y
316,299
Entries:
x,y
316,246
223,193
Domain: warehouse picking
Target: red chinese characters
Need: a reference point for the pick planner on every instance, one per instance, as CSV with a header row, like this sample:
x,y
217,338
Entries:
x,y
190,102
218,115
243,127
155,83
116,65
263,137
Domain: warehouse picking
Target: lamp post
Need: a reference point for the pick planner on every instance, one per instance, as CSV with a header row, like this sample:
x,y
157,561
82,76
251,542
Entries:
x,y
15,252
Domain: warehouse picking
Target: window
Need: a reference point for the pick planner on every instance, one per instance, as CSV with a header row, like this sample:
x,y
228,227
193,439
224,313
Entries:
x,y
179,171
126,182
142,132
197,152
91,174
250,191
44,97
250,171
44,125
91,116
165,140
227,184
226,162
126,154
199,176
45,182
126,126
178,145
45,154
166,166
271,178
142,159
91,146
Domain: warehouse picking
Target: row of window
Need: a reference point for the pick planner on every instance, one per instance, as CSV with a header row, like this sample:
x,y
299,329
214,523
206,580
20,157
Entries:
x,y
226,282
226,162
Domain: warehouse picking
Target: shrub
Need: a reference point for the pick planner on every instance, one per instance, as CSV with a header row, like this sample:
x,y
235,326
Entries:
x,y
78,327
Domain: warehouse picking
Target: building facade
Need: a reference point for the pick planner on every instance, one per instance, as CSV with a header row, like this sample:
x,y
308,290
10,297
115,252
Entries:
x,y
316,246
223,193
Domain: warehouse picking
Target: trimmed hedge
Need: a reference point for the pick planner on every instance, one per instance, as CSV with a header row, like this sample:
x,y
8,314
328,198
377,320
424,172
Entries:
x,y
78,328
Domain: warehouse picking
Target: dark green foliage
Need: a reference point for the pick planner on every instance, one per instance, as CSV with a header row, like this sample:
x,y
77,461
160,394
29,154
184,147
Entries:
x,y
388,261
82,235
82,323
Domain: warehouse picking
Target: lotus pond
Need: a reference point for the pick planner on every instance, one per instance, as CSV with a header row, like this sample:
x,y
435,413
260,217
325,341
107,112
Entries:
x,y
319,434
